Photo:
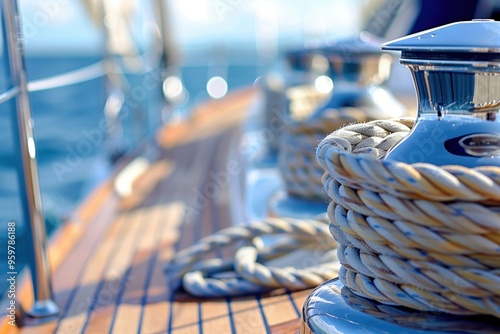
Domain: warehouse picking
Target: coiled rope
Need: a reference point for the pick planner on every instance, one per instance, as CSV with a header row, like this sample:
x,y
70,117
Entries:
x,y
419,235
247,273
293,104
297,159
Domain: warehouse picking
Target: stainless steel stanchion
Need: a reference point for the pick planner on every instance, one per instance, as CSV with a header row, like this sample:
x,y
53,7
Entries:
x,y
44,306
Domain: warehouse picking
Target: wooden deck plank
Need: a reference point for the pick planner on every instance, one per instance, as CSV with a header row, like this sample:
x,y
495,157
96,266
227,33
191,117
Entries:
x,y
192,329
215,317
118,273
247,316
75,317
183,313
278,309
89,286
202,225
44,328
82,253
101,282
127,319
155,318
157,305
299,298
150,227
129,309
289,327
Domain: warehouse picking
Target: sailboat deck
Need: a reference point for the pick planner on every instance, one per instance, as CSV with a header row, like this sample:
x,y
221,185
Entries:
x,y
108,262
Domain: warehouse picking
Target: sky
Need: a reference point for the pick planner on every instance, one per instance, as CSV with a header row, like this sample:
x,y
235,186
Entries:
x,y
58,25
64,26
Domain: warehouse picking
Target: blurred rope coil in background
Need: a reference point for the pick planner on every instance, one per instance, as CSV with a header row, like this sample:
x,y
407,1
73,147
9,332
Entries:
x,y
284,104
297,158
419,235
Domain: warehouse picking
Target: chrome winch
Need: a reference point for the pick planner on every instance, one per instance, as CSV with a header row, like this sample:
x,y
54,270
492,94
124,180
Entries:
x,y
456,71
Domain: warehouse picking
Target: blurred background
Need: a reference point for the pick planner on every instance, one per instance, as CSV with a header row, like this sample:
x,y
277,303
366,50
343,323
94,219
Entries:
x,y
106,74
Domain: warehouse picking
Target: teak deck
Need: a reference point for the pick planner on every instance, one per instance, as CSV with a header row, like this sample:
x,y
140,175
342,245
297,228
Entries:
x,y
108,262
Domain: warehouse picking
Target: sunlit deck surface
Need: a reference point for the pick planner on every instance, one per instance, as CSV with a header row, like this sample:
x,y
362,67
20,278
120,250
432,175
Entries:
x,y
108,262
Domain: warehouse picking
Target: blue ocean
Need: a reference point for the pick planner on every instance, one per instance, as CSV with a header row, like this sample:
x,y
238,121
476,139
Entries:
x,y
74,151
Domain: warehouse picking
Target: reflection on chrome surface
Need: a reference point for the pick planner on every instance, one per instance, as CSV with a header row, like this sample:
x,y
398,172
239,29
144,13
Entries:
x,y
333,308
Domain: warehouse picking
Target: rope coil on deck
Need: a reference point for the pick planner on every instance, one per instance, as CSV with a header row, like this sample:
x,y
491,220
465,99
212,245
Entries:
x,y
419,235
247,273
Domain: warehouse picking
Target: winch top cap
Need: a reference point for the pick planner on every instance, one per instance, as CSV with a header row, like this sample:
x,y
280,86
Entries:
x,y
362,45
477,36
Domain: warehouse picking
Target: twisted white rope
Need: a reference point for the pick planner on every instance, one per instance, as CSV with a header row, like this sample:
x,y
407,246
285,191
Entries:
x,y
297,160
289,277
299,100
246,274
298,166
416,181
421,236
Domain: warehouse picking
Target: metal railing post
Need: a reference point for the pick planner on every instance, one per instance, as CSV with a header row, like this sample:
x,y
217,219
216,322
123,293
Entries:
x,y
44,306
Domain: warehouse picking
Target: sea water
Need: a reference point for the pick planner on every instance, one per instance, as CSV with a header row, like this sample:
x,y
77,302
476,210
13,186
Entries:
x,y
452,139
